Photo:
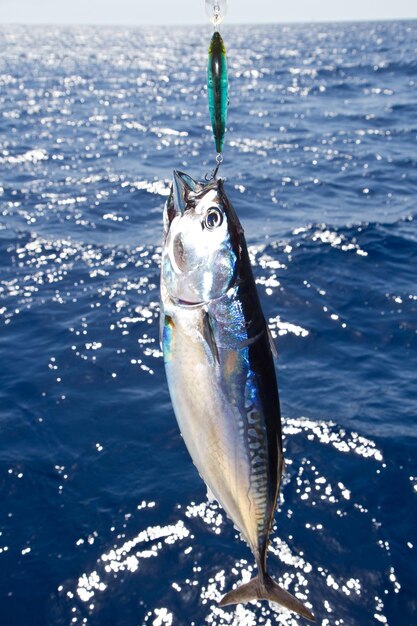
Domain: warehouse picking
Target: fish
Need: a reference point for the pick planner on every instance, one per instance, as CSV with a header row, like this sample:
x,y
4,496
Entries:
x,y
217,88
219,362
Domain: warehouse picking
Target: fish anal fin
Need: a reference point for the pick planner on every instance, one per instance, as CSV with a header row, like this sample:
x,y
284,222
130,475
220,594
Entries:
x,y
266,589
209,337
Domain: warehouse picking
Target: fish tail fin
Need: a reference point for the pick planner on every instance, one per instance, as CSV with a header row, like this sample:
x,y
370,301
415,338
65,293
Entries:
x,y
266,589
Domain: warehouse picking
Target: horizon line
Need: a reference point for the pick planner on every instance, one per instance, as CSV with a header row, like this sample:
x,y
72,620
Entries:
x,y
191,24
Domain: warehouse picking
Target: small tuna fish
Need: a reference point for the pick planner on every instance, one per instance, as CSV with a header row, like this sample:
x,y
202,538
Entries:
x,y
220,370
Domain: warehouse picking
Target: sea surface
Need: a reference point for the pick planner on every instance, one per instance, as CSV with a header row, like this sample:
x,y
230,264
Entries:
x,y
104,520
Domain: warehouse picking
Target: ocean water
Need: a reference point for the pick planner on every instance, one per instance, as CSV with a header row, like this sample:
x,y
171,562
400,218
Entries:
x,y
103,518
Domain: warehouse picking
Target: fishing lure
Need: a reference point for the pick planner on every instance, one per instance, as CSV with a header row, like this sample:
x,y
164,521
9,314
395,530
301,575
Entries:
x,y
218,88
217,81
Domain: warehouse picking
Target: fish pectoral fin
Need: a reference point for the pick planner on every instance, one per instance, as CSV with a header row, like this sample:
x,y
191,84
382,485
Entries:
x,y
266,589
272,343
249,342
209,338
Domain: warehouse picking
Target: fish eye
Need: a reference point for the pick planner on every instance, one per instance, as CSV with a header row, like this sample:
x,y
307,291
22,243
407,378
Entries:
x,y
213,219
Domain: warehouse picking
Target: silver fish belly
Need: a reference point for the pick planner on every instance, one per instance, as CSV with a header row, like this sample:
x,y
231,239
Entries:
x,y
220,369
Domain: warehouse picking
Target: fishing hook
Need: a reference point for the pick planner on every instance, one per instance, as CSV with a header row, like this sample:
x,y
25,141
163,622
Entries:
x,y
219,161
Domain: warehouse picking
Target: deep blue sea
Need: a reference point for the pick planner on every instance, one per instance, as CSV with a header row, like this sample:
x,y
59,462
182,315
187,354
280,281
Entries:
x,y
104,520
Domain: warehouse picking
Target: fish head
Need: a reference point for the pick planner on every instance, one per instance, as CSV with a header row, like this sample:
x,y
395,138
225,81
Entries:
x,y
201,245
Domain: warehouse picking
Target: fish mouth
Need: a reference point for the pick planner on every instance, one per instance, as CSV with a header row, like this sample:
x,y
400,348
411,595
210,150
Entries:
x,y
189,305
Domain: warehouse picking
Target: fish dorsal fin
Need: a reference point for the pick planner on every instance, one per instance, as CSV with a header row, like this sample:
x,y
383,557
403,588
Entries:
x,y
209,337
272,343
183,187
